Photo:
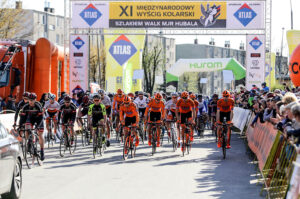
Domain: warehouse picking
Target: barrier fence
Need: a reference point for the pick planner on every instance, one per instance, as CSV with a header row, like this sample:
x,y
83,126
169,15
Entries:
x,y
276,156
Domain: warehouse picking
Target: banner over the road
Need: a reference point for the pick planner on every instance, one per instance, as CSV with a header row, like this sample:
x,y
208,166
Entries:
x,y
167,14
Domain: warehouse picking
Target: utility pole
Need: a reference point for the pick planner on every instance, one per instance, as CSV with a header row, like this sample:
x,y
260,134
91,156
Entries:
x,y
292,17
281,49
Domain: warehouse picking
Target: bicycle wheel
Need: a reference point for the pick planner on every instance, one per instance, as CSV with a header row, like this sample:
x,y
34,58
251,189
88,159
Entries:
x,y
141,134
153,140
201,128
37,150
83,138
63,145
100,142
188,144
174,141
224,146
95,145
126,148
28,154
74,145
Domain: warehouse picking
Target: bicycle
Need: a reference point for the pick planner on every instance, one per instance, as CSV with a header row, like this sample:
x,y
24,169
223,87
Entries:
x,y
32,150
99,144
17,133
173,135
141,130
186,140
153,131
85,134
201,125
66,141
129,143
50,139
214,128
225,127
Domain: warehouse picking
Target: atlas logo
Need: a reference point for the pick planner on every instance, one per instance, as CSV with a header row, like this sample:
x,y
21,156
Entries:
x,y
245,14
122,49
90,14
78,43
255,43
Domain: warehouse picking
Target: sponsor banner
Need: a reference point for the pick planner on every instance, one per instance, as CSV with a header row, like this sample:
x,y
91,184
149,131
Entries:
x,y
260,140
246,15
79,47
293,39
123,58
270,70
90,14
255,60
240,117
167,14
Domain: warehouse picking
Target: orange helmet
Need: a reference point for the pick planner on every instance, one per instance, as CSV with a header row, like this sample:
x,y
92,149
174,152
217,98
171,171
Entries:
x,y
119,91
192,96
184,94
226,93
126,100
158,96
131,95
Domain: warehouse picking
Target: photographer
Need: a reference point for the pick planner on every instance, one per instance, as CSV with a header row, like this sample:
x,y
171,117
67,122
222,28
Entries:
x,y
294,127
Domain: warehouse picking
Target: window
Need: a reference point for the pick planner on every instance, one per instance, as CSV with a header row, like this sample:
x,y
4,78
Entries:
x,y
43,19
51,27
57,22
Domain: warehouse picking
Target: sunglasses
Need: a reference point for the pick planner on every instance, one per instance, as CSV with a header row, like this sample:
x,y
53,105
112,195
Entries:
x,y
31,100
126,103
67,102
184,98
96,100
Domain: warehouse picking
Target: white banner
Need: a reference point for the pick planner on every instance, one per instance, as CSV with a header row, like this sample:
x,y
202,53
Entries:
x,y
255,60
245,15
90,14
79,47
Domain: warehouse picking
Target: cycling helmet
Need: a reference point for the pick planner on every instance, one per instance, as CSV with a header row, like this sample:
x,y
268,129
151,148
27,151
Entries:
x,y
184,94
126,100
174,94
67,98
110,95
140,93
192,96
52,96
215,96
131,95
199,96
101,92
80,94
32,96
26,94
96,96
226,93
85,99
158,96
119,91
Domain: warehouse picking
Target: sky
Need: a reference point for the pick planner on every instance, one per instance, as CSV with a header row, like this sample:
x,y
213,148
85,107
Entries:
x,y
281,18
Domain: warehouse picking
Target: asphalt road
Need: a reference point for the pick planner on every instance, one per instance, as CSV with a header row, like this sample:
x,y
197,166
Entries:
x,y
201,174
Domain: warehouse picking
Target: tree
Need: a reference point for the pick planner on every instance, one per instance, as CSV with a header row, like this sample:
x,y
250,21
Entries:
x,y
13,21
150,62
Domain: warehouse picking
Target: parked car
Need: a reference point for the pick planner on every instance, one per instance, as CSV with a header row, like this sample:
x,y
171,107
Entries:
x,y
10,165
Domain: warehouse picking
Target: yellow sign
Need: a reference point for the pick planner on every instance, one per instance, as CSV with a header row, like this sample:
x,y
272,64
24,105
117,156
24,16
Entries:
x,y
293,38
167,14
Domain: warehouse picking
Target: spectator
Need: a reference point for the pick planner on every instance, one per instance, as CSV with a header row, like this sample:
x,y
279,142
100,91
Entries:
x,y
44,99
74,99
61,97
295,132
11,103
264,87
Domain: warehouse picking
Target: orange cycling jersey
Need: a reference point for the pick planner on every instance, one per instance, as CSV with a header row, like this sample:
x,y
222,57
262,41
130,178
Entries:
x,y
129,111
185,106
196,104
225,106
118,101
153,106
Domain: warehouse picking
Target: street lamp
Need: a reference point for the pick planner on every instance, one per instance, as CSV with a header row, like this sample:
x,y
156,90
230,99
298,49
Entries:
x,y
292,21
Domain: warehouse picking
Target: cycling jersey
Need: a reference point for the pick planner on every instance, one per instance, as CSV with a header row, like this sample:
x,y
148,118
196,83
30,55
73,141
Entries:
x,y
51,109
33,114
68,113
171,106
84,108
225,106
185,106
202,108
106,101
118,101
141,103
128,111
212,107
153,106
97,112
19,107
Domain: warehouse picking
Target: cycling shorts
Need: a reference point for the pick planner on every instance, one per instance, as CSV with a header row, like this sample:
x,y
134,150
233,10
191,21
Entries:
x,y
95,120
155,116
130,120
185,117
108,111
224,115
142,112
171,115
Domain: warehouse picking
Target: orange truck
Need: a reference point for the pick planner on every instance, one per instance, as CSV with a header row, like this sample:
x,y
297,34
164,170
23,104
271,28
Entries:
x,y
35,68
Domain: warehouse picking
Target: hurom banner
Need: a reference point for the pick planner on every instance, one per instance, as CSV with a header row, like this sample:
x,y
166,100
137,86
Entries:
x,y
255,60
79,47
123,54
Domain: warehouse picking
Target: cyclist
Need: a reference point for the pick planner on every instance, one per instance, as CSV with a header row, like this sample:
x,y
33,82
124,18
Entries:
x,y
32,114
129,116
212,108
105,100
97,115
186,108
50,110
171,112
83,110
156,107
224,111
68,113
141,101
118,100
19,107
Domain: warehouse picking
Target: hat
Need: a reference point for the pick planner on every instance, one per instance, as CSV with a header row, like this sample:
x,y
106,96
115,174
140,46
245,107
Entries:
x,y
277,98
270,95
